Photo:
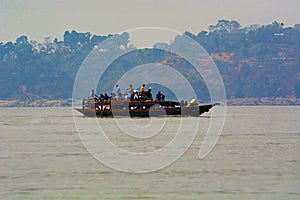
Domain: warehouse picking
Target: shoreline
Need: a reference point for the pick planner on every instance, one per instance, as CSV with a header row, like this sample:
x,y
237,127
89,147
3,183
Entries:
x,y
38,103
266,101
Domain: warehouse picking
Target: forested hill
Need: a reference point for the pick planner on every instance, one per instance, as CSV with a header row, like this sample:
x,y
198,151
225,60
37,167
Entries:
x,y
254,61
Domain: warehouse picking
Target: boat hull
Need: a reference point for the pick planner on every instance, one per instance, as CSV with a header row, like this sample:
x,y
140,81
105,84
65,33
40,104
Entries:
x,y
147,112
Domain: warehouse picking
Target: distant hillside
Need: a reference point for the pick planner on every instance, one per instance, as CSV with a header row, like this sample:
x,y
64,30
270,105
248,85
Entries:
x,y
255,61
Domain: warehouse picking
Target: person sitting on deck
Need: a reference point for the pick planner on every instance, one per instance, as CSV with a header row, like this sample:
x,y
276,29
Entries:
x,y
183,103
106,97
101,97
160,97
134,96
149,94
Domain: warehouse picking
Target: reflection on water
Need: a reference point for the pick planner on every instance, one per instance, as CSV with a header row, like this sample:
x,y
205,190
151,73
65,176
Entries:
x,y
256,157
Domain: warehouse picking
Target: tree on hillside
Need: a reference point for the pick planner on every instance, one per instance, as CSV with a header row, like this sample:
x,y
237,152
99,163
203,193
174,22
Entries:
x,y
225,26
254,61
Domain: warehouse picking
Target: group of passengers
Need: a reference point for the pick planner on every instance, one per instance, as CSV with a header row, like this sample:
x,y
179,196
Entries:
x,y
143,94
134,95
99,98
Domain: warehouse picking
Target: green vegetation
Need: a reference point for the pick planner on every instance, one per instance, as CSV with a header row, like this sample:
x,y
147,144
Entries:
x,y
254,61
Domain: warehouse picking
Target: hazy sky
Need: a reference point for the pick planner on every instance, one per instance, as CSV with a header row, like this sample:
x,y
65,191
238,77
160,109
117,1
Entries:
x,y
40,18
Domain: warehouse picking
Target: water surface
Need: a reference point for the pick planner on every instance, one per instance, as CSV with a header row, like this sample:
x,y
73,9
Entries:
x,y
256,157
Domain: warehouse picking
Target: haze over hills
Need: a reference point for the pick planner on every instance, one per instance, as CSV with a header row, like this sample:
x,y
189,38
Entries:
x,y
255,61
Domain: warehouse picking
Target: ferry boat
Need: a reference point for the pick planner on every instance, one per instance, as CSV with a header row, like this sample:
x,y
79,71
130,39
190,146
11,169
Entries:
x,y
141,108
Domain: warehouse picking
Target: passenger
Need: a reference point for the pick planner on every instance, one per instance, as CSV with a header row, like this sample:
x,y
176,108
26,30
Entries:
x,y
92,95
183,103
160,97
101,97
106,97
130,89
118,92
142,89
136,96
132,96
149,94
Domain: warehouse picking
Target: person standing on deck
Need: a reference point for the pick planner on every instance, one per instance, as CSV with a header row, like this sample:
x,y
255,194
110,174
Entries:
x,y
142,89
118,91
92,95
130,89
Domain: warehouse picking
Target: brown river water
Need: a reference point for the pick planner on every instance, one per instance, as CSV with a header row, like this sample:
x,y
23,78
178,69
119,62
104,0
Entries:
x,y
256,157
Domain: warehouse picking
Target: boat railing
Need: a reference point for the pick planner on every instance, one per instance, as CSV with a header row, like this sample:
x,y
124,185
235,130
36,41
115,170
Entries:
x,y
97,105
125,103
87,103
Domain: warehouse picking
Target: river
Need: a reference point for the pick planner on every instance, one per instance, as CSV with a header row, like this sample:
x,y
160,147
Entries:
x,y
256,157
